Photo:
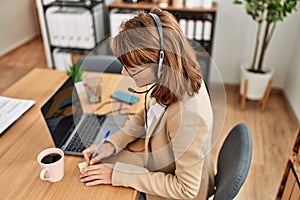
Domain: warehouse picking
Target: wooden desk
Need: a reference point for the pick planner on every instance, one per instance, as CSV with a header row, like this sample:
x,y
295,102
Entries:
x,y
24,140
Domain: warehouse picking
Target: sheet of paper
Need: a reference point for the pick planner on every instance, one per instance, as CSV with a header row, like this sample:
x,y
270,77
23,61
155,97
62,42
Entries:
x,y
12,109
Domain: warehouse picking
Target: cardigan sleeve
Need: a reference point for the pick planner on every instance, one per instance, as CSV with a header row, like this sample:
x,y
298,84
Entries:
x,y
187,138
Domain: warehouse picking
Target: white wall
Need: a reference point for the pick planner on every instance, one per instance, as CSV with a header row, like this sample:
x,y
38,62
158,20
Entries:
x,y
17,23
292,84
234,42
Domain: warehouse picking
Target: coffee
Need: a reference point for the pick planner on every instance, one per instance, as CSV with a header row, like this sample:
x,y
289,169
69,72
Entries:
x,y
51,161
51,158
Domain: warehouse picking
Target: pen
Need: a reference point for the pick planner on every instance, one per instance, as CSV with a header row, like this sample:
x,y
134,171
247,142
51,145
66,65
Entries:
x,y
100,144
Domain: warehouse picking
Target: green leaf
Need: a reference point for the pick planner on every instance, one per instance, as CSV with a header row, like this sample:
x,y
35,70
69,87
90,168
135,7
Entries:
x,y
270,11
76,72
237,2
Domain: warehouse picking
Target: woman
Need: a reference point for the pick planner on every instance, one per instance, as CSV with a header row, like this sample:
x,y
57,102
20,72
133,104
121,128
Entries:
x,y
174,128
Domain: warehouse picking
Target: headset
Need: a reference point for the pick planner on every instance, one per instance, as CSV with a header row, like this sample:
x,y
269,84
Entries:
x,y
160,62
161,52
161,44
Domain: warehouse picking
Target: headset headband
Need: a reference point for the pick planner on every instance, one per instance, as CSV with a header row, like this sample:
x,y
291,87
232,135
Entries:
x,y
161,43
159,29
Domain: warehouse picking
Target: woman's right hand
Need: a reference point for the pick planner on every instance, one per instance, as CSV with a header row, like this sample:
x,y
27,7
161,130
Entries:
x,y
106,150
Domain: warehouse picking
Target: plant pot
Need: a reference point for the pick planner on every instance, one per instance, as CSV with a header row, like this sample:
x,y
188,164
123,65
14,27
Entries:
x,y
257,83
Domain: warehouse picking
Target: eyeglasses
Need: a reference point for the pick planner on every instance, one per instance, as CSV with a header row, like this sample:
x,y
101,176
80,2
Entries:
x,y
135,73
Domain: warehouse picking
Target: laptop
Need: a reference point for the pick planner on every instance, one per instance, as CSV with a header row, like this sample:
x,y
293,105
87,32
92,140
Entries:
x,y
70,128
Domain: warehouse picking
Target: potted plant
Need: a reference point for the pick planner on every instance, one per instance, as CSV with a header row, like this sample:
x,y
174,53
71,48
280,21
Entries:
x,y
266,13
76,72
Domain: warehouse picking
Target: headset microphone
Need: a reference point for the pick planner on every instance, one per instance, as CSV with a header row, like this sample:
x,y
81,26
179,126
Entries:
x,y
131,90
142,92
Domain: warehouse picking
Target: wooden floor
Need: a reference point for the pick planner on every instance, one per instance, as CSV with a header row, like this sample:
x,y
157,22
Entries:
x,y
273,131
19,62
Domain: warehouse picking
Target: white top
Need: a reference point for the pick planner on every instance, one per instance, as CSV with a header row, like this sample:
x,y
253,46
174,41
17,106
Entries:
x,y
155,111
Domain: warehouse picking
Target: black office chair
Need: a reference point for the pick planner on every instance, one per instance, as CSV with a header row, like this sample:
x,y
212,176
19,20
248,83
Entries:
x,y
101,63
233,163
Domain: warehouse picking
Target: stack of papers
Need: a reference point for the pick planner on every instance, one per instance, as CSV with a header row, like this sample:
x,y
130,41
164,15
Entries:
x,y
12,109
75,27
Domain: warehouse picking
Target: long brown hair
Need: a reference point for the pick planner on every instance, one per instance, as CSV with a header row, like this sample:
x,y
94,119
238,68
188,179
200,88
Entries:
x,y
137,44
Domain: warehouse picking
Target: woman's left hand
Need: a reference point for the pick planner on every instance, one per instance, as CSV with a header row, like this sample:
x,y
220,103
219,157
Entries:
x,y
97,174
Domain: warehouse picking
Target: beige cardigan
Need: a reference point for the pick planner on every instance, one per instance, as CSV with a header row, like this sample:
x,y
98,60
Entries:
x,y
172,161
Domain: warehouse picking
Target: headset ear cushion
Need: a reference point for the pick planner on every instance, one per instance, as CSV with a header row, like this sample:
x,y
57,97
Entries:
x,y
159,72
156,72
160,64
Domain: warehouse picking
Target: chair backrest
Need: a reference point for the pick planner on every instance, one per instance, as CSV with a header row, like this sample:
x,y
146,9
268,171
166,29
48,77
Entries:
x,y
101,63
233,162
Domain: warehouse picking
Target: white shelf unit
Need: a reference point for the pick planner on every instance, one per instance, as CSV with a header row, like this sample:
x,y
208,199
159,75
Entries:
x,y
70,27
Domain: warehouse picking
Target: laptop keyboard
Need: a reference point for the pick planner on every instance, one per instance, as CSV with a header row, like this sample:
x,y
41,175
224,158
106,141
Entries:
x,y
86,133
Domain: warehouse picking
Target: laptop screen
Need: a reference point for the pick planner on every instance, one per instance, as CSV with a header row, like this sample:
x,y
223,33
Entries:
x,y
62,111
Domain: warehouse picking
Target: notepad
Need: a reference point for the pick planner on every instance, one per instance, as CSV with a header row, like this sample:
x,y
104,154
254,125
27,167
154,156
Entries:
x,y
82,165
11,109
